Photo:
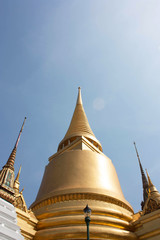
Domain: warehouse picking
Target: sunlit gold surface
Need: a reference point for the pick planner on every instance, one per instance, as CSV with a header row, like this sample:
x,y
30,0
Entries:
x,y
79,174
65,220
80,171
27,223
147,227
88,177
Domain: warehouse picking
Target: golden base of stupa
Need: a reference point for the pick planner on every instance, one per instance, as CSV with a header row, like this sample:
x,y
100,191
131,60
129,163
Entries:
x,y
65,220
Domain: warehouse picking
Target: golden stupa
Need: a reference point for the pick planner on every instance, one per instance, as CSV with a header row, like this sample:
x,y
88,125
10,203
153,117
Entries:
x,y
79,174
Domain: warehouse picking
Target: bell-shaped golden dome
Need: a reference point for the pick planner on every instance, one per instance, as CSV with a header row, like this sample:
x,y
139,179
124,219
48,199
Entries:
x,y
79,174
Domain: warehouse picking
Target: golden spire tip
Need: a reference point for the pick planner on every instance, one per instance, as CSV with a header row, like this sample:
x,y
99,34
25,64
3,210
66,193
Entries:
x,y
79,98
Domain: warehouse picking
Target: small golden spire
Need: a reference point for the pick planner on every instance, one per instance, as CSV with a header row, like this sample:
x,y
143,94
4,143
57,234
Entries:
x,y
153,202
152,189
18,174
16,182
149,180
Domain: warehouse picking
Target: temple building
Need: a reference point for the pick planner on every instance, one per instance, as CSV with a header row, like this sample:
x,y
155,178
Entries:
x,y
67,187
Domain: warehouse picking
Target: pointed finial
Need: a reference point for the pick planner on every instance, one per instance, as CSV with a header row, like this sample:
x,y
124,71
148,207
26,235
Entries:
x,y
144,179
79,98
149,180
16,144
16,181
18,174
137,153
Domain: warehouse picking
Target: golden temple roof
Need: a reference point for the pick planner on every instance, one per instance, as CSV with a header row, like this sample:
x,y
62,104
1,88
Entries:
x,y
79,125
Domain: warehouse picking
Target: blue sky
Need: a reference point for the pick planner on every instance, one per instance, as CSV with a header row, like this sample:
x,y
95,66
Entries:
x,y
109,48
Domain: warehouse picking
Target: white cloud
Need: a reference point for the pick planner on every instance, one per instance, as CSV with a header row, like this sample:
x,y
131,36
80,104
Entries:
x,y
98,104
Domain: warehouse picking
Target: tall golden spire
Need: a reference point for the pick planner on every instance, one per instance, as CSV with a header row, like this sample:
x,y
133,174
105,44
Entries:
x,y
144,179
7,173
79,125
11,159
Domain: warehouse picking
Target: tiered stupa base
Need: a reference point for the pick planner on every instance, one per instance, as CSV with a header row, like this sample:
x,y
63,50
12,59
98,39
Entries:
x,y
65,220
